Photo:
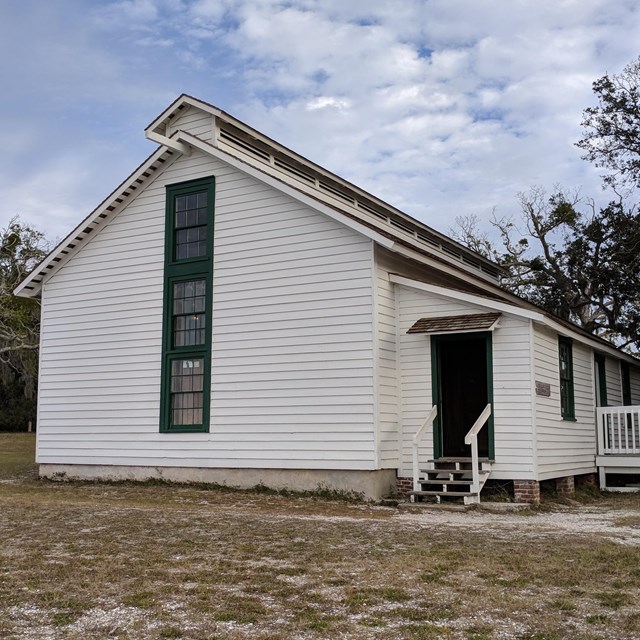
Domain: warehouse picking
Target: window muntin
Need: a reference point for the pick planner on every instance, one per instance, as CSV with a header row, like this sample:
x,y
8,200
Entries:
x,y
567,404
189,316
190,220
187,397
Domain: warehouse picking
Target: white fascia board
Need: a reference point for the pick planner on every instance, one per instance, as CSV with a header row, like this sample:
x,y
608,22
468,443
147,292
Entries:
x,y
596,345
467,297
92,219
284,188
535,316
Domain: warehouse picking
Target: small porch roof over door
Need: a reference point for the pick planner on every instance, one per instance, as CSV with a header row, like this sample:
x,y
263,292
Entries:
x,y
456,324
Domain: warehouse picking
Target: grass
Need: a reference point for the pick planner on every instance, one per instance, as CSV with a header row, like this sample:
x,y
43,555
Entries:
x,y
92,561
17,455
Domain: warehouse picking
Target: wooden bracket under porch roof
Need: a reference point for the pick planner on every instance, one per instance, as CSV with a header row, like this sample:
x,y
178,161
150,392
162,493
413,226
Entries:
x,y
457,324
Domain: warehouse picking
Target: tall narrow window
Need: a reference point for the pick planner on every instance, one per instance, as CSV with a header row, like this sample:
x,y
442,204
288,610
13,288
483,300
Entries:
x,y
186,364
626,383
567,404
601,380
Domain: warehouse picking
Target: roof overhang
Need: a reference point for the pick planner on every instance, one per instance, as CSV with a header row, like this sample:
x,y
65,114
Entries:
x,y
539,317
327,192
31,286
463,323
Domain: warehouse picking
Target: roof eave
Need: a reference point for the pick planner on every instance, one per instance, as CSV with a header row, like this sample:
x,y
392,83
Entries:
x,y
30,287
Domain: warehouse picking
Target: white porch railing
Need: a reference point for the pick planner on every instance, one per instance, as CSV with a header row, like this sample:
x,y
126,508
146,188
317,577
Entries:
x,y
472,439
618,430
416,445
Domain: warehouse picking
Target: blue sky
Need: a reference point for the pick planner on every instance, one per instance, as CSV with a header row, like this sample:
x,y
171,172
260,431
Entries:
x,y
440,107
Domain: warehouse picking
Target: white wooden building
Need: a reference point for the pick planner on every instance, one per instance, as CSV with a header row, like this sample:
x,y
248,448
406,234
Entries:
x,y
234,313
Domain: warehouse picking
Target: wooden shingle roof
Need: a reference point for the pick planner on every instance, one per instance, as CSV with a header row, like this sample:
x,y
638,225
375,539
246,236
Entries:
x,y
456,324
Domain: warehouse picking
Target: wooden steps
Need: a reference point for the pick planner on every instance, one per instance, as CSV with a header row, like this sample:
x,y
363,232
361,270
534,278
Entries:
x,y
451,479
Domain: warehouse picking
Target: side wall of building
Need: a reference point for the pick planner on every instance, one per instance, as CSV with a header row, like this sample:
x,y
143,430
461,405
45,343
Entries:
x,y
292,358
565,447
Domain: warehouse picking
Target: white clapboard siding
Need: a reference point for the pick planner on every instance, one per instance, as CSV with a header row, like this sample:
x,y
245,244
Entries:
x,y
194,121
511,382
634,379
614,382
565,447
387,361
292,357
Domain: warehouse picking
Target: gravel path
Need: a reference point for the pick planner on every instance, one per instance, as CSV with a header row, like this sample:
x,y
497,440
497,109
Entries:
x,y
620,526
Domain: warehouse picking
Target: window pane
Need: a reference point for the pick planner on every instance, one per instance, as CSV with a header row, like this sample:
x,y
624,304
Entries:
x,y
191,223
189,317
567,408
187,377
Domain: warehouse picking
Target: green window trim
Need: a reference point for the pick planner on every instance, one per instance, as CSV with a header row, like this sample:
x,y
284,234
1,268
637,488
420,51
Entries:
x,y
186,362
601,368
626,383
565,365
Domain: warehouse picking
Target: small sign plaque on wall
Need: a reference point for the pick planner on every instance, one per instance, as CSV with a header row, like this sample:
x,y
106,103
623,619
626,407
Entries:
x,y
543,389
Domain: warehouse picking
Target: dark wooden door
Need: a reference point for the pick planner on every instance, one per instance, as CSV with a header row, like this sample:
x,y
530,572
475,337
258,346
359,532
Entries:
x,y
464,392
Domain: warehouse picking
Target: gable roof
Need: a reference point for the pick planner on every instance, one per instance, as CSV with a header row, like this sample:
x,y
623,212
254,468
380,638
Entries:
x,y
232,139
255,153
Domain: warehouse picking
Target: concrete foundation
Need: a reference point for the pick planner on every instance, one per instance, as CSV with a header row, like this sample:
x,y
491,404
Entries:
x,y
369,485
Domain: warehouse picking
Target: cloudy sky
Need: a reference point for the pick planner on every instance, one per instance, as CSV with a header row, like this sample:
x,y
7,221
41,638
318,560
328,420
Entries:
x,y
440,107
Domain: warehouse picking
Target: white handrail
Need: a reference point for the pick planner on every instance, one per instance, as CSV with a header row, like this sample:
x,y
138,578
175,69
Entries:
x,y
416,443
472,439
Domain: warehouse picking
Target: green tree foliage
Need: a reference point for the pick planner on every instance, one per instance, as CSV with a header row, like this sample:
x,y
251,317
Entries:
x,y
612,128
21,248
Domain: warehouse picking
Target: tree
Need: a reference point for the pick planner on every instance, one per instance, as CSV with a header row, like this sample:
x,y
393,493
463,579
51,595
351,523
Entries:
x,y
583,266
612,128
21,248
581,263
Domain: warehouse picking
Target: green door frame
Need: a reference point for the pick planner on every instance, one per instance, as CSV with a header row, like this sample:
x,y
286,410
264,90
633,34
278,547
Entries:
x,y
436,390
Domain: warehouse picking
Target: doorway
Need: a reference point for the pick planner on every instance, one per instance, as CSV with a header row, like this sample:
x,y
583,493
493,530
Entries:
x,y
462,375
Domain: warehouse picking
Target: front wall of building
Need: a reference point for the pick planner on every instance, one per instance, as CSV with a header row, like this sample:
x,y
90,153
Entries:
x,y
511,382
292,356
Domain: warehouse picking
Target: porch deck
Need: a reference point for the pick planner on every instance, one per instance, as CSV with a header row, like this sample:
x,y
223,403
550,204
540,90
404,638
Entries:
x,y
618,430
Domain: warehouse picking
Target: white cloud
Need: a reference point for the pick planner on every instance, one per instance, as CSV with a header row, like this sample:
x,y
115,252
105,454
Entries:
x,y
439,106
324,102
